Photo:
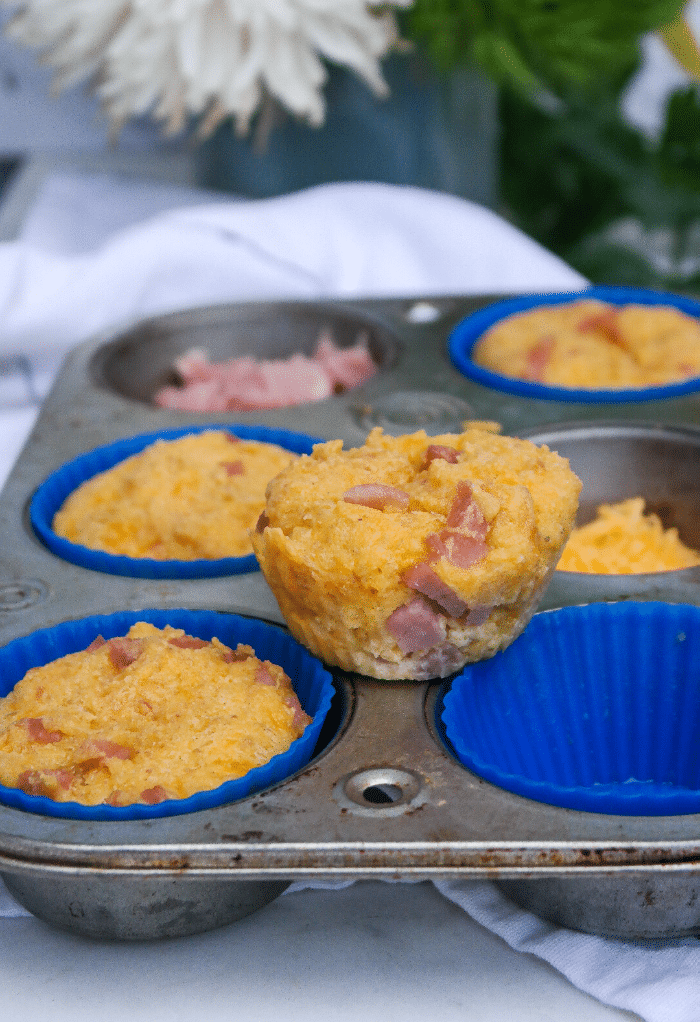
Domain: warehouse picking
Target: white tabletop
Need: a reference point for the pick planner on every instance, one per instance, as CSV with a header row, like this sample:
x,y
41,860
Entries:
x,y
375,951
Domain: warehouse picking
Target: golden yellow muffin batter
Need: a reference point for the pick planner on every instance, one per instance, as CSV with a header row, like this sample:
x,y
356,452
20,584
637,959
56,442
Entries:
x,y
592,344
153,715
411,556
623,540
196,497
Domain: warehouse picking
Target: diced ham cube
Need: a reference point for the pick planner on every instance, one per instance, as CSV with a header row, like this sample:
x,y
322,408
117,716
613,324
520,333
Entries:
x,y
606,323
345,367
123,651
152,796
188,642
235,656
112,750
233,468
424,580
378,496
537,358
465,514
440,451
36,730
263,676
415,626
477,616
461,550
300,719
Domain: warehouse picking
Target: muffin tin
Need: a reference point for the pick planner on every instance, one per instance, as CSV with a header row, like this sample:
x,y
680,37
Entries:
x,y
384,795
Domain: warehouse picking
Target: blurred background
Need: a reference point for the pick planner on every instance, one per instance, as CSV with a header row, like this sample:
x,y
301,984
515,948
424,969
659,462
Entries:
x,y
579,122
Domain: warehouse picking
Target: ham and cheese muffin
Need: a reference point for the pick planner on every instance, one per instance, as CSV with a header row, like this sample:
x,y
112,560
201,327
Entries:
x,y
411,556
153,715
592,344
195,497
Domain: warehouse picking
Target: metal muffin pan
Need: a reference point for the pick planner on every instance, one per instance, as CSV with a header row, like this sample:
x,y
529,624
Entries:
x,y
385,797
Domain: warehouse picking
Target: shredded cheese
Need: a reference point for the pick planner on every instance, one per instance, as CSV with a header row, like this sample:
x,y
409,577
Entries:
x,y
623,540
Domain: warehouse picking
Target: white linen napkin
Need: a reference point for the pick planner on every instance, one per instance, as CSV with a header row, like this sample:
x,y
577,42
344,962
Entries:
x,y
90,260
334,240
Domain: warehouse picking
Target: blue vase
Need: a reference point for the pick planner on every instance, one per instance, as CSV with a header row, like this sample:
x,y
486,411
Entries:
x,y
433,131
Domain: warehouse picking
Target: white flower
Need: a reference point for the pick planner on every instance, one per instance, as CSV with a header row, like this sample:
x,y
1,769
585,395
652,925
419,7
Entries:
x,y
208,59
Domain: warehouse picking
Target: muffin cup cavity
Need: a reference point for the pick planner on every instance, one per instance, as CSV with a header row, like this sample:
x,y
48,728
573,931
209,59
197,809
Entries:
x,y
311,681
51,494
139,361
619,461
593,708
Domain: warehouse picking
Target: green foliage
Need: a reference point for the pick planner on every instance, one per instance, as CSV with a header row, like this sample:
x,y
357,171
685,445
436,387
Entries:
x,y
568,176
532,43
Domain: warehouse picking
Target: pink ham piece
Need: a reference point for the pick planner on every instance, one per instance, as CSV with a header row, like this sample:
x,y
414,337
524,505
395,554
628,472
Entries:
x,y
188,642
465,514
115,798
235,656
477,616
123,651
152,796
440,451
537,358
263,676
427,582
378,496
36,730
300,719
44,782
248,383
111,750
346,367
605,323
415,626
233,468
97,643
459,549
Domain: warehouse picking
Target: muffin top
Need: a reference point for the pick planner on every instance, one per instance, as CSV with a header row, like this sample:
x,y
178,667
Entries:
x,y
593,344
152,715
185,499
476,515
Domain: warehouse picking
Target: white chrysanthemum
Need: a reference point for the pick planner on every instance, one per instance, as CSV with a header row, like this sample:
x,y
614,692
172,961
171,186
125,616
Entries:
x,y
174,59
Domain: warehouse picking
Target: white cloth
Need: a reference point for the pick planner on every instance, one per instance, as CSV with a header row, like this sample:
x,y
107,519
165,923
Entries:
x,y
333,240
70,275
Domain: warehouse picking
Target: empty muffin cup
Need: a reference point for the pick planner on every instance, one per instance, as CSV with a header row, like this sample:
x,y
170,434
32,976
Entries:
x,y
592,708
312,684
52,493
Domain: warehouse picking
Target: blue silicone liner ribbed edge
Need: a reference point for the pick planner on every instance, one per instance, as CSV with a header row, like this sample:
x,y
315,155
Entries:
x,y
310,680
467,332
51,494
628,798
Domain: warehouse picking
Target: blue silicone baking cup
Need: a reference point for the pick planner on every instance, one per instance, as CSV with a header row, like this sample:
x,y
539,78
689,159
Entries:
x,y
311,681
594,708
49,497
464,336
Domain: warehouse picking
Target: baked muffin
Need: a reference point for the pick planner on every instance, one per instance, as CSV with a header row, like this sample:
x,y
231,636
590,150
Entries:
x,y
593,344
156,714
411,556
194,497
